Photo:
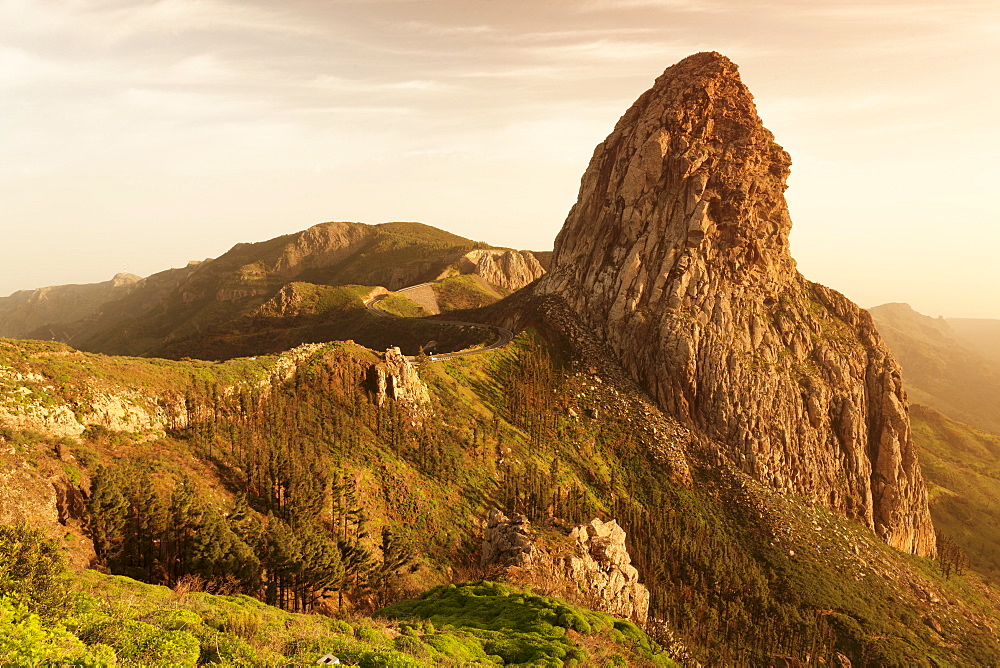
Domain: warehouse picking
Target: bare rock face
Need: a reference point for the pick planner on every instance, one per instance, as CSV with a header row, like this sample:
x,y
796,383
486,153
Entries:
x,y
44,500
398,380
676,253
593,561
508,269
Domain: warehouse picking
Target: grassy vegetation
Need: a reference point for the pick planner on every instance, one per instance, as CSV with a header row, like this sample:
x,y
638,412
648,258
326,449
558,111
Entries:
x,y
396,255
350,320
463,292
50,617
398,304
962,468
523,629
219,296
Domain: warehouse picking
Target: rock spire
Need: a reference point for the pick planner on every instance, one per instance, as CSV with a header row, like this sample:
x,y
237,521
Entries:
x,y
676,253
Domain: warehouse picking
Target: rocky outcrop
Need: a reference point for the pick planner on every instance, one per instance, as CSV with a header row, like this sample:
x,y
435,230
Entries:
x,y
44,500
397,379
676,254
508,269
592,562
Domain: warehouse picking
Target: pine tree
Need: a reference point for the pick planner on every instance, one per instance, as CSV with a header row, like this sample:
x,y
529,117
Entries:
x,y
108,509
185,514
282,559
322,567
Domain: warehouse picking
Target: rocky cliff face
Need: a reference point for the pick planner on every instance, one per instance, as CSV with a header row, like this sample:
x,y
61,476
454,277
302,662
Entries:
x,y
39,494
508,269
396,379
593,561
676,253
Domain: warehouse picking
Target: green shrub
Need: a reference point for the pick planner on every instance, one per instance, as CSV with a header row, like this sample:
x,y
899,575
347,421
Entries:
x,y
33,571
146,644
411,645
245,623
173,619
27,640
340,626
516,626
369,635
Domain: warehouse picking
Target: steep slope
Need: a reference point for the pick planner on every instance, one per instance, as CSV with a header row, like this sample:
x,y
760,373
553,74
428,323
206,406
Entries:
x,y
940,368
144,295
309,313
28,310
676,253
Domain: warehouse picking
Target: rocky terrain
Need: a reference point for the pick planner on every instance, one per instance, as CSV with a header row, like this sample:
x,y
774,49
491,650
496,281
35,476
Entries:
x,y
682,430
676,253
507,269
592,564
396,379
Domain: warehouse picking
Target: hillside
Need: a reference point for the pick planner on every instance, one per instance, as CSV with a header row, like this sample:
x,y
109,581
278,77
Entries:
x,y
543,427
962,467
941,368
48,617
682,431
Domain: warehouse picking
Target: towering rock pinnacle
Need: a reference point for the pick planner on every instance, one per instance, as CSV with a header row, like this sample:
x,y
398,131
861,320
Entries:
x,y
676,253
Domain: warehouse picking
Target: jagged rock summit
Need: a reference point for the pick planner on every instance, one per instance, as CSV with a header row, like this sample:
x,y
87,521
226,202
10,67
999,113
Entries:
x,y
676,253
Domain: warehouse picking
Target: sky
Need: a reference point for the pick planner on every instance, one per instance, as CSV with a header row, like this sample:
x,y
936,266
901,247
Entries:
x,y
138,135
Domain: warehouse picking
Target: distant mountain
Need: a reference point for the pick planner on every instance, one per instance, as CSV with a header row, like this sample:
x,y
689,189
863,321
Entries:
x,y
942,369
27,311
983,335
227,306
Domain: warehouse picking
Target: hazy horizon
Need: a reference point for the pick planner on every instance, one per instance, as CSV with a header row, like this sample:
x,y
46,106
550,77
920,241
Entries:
x,y
142,135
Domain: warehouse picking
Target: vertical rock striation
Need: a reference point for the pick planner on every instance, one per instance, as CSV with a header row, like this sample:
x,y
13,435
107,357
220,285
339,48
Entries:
x,y
676,253
508,269
395,378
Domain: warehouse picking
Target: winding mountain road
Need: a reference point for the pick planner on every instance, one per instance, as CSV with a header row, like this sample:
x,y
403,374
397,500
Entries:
x,y
504,336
